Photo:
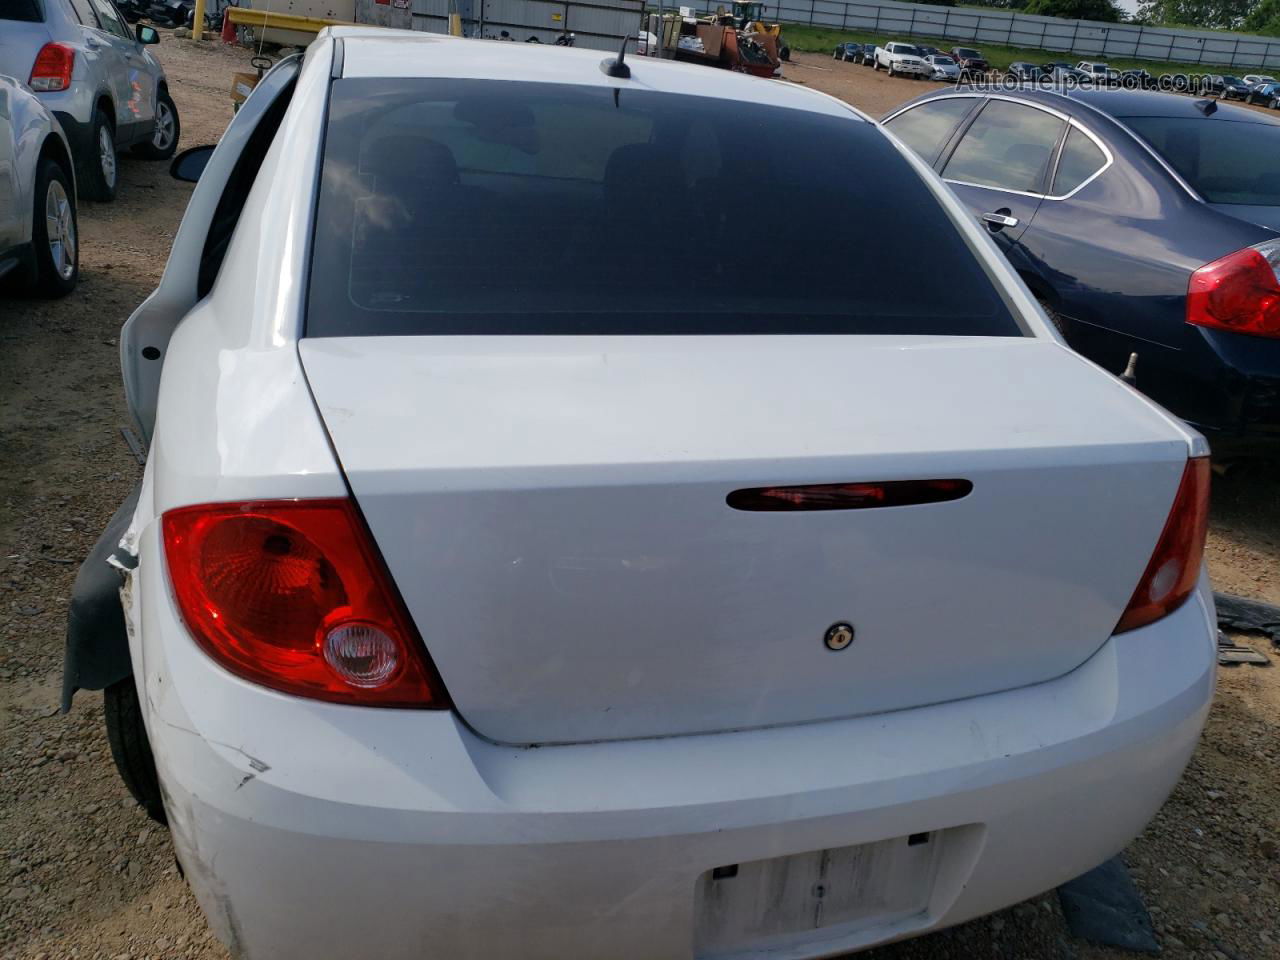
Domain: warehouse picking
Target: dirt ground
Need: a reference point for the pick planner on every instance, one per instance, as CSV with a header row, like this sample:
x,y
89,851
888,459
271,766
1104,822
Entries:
x,y
85,874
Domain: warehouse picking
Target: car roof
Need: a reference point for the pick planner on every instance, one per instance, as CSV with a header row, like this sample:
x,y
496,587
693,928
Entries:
x,y
1120,104
373,52
1150,103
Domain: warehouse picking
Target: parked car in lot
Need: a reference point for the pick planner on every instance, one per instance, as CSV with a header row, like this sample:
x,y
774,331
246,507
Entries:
x,y
1138,79
1099,72
1257,79
848,51
1265,94
39,245
97,77
401,524
1152,227
942,67
1061,70
1226,87
928,51
972,62
869,54
1022,70
901,59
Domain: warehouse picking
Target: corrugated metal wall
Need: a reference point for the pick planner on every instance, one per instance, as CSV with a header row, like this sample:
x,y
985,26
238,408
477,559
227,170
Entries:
x,y
598,24
1082,38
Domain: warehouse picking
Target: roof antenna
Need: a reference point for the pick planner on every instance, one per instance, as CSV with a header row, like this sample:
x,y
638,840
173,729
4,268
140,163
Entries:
x,y
1207,107
1130,375
616,68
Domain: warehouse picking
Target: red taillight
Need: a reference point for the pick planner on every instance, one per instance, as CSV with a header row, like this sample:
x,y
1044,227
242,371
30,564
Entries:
x,y
1240,292
53,68
1174,568
293,595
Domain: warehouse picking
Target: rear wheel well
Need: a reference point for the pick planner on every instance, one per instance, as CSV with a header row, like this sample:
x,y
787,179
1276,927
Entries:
x,y
104,104
54,149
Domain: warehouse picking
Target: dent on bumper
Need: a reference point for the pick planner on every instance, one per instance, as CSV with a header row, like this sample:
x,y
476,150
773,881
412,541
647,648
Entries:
x,y
317,830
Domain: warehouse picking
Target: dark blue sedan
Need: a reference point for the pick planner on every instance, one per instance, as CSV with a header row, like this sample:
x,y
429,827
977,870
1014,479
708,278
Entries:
x,y
1145,222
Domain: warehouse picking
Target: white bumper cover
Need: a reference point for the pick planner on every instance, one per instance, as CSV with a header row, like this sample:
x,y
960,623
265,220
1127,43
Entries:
x,y
314,830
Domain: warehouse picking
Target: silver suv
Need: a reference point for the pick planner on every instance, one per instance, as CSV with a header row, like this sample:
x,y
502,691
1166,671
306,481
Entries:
x,y
97,77
37,195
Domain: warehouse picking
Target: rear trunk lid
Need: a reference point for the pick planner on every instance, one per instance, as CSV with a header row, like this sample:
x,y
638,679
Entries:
x,y
20,41
553,510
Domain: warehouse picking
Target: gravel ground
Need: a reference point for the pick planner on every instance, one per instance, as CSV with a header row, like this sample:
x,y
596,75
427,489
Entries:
x,y
85,874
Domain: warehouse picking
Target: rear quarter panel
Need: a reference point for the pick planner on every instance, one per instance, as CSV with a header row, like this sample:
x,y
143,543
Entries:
x,y
1116,258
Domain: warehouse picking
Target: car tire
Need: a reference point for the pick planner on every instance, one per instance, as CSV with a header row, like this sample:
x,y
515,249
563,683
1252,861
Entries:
x,y
102,174
164,139
130,748
1059,321
54,232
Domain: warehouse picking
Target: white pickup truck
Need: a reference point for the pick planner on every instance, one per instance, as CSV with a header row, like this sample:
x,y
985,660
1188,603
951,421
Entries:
x,y
901,58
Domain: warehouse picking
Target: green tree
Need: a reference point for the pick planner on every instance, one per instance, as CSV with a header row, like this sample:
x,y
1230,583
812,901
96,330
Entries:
x,y
1214,14
1264,18
1076,9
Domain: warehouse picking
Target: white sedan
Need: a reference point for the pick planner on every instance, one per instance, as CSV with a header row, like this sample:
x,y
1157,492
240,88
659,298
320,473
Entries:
x,y
943,68
510,579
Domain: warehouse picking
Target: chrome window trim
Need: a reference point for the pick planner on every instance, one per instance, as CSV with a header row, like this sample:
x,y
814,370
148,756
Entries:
x,y
1067,118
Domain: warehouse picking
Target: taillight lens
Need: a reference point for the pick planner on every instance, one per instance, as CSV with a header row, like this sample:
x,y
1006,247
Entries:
x,y
52,70
1174,568
292,594
1240,292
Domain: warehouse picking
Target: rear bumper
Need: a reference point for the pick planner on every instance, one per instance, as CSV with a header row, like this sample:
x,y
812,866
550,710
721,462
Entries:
x,y
315,830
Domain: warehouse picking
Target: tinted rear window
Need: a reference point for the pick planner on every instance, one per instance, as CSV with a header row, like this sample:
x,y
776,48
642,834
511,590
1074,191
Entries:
x,y
497,207
27,11
1225,161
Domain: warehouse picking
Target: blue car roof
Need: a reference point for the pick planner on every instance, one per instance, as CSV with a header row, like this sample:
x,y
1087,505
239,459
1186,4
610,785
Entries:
x,y
1149,103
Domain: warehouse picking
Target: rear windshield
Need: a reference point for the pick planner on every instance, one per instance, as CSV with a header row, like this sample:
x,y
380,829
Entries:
x,y
27,11
1226,161
499,207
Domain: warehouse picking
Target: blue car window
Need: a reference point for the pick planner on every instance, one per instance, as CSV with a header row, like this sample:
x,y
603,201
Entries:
x,y
1081,159
1226,161
1008,146
927,127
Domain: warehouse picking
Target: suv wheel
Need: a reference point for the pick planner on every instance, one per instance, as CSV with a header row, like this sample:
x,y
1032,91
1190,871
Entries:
x,y
54,238
130,748
102,172
164,139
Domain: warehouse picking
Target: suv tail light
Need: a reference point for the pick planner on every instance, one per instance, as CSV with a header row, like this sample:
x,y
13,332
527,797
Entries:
x,y
292,594
1174,568
52,70
1239,292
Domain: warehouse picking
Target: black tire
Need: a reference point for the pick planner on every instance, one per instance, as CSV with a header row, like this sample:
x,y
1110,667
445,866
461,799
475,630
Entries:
x,y
1054,317
57,263
100,184
130,748
167,123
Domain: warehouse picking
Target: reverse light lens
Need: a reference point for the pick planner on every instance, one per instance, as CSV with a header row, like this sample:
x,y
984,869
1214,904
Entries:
x,y
1174,568
361,654
1239,292
52,69
293,595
